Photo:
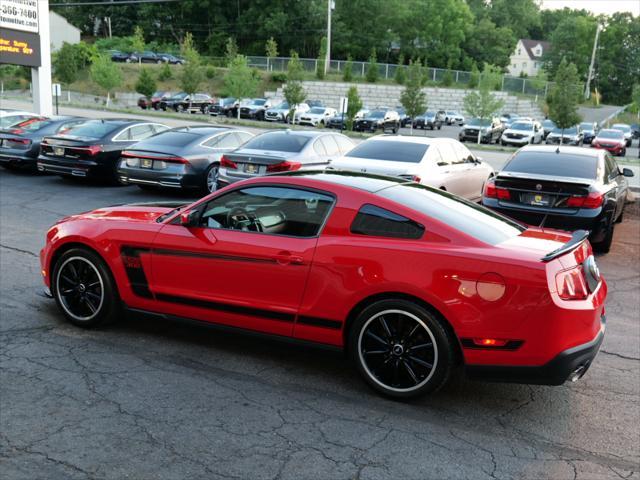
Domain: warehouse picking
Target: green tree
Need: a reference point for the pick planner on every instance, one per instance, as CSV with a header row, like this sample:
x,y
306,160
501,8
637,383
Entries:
x,y
347,74
165,73
372,68
491,77
192,75
635,95
354,105
294,91
413,98
106,74
447,77
271,49
239,82
482,103
146,84
401,75
65,64
137,42
231,50
565,96
322,59
521,16
572,40
487,43
474,78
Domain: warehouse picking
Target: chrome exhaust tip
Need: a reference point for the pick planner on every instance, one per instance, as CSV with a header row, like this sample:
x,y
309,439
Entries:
x,y
578,373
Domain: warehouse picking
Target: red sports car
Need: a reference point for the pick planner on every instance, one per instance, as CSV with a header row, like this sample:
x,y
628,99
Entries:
x,y
409,280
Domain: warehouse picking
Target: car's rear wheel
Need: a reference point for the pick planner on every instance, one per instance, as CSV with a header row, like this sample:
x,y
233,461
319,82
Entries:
x,y
211,178
84,289
401,349
605,245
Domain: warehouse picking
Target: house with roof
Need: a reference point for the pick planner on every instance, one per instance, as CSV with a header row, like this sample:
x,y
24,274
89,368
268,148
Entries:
x,y
527,57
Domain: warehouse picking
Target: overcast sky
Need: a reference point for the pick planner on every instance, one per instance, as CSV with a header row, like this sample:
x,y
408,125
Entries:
x,y
596,6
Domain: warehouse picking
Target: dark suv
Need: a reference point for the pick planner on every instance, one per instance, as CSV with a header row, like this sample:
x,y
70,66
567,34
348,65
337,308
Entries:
x,y
379,119
144,57
489,130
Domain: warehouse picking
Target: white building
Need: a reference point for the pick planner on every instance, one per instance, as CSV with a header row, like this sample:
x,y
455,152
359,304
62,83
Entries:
x,y
527,57
61,31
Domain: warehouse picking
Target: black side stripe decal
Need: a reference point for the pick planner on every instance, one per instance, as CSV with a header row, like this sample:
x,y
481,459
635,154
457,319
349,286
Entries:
x,y
320,322
225,307
135,272
182,253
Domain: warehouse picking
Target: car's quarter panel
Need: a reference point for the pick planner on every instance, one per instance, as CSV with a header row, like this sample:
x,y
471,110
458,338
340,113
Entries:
x,y
244,279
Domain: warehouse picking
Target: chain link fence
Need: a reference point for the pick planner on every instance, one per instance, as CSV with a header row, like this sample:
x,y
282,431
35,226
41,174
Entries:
x,y
525,86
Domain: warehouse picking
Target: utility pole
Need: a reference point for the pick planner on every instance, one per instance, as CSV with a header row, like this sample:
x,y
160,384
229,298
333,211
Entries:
x,y
330,6
587,90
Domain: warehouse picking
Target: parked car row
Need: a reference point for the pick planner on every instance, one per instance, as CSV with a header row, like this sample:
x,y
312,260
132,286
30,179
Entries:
x,y
145,57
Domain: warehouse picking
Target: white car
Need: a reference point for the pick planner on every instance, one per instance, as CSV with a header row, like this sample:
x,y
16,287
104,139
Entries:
x,y
280,113
626,129
522,132
453,117
442,163
315,116
11,117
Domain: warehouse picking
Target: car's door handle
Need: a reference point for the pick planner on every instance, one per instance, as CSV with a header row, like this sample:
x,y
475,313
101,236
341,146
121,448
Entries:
x,y
286,258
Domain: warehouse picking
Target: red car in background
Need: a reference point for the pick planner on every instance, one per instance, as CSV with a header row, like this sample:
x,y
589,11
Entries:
x,y
611,140
153,102
411,281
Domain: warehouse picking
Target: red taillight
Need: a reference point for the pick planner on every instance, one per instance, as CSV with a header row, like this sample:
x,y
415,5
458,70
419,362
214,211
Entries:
x,y
226,163
16,131
21,141
92,150
593,200
285,166
491,191
571,284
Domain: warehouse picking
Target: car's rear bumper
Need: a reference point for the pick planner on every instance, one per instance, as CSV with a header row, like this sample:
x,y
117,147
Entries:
x,y
73,168
570,364
616,150
17,157
174,176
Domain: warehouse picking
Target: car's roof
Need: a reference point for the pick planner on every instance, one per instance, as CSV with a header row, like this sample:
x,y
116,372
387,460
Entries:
x,y
297,133
410,139
362,181
555,149
199,129
119,121
10,113
610,130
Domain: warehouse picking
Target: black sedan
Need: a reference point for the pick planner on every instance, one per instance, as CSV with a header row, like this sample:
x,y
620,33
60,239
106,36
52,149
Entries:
x,y
118,56
181,102
227,107
20,144
171,59
93,148
145,57
589,131
429,120
568,188
185,157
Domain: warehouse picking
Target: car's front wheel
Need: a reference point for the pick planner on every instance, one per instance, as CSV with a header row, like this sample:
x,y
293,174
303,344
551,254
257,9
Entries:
x,y
84,289
401,349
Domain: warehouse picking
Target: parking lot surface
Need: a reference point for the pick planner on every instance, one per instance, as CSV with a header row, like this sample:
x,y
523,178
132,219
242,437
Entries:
x,y
154,399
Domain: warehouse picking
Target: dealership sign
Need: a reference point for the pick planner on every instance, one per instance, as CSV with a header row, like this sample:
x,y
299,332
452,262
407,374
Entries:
x,y
19,15
19,48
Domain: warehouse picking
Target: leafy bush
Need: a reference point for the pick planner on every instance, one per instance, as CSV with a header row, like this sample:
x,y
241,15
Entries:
x,y
372,68
210,72
447,79
165,73
347,75
400,75
279,77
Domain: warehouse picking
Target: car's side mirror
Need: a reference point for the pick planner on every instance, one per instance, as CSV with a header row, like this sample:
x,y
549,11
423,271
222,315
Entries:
x,y
189,219
627,172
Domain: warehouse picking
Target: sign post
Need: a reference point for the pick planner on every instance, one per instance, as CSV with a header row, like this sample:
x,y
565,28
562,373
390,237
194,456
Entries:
x,y
57,91
24,40
344,104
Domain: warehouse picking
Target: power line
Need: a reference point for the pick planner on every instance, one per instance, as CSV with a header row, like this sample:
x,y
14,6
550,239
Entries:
x,y
109,3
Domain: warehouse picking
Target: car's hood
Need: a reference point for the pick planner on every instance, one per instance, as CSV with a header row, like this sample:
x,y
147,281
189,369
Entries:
x,y
566,135
278,110
517,132
136,212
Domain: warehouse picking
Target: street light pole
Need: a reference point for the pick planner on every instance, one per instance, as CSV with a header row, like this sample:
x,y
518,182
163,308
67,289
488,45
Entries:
x,y
330,6
587,90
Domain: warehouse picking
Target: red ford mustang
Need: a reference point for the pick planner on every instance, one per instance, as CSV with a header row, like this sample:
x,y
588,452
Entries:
x,y
410,281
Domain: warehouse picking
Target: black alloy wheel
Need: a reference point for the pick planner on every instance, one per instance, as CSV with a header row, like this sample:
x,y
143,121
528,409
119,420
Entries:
x,y
83,288
401,349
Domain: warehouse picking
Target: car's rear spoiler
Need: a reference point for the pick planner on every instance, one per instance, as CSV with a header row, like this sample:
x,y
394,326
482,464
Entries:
x,y
577,238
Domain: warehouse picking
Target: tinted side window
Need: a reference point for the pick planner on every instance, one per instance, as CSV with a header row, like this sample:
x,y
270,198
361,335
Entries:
x,y
446,155
140,132
318,147
378,222
610,168
228,140
269,210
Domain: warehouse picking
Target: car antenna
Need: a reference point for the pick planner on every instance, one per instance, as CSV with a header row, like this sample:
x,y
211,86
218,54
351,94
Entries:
x,y
558,149
544,219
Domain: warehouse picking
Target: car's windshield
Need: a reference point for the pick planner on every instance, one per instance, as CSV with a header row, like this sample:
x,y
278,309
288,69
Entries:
x,y
560,164
548,124
622,127
522,126
278,141
32,124
470,218
228,101
376,114
477,122
283,106
317,110
430,114
586,126
611,134
92,129
179,96
566,131
259,102
390,150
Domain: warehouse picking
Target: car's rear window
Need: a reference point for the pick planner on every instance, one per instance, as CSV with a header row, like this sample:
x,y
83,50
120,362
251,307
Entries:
x,y
175,139
470,218
93,129
408,152
560,164
278,141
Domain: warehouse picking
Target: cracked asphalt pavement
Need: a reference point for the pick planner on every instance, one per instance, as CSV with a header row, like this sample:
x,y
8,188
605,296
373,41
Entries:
x,y
152,399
